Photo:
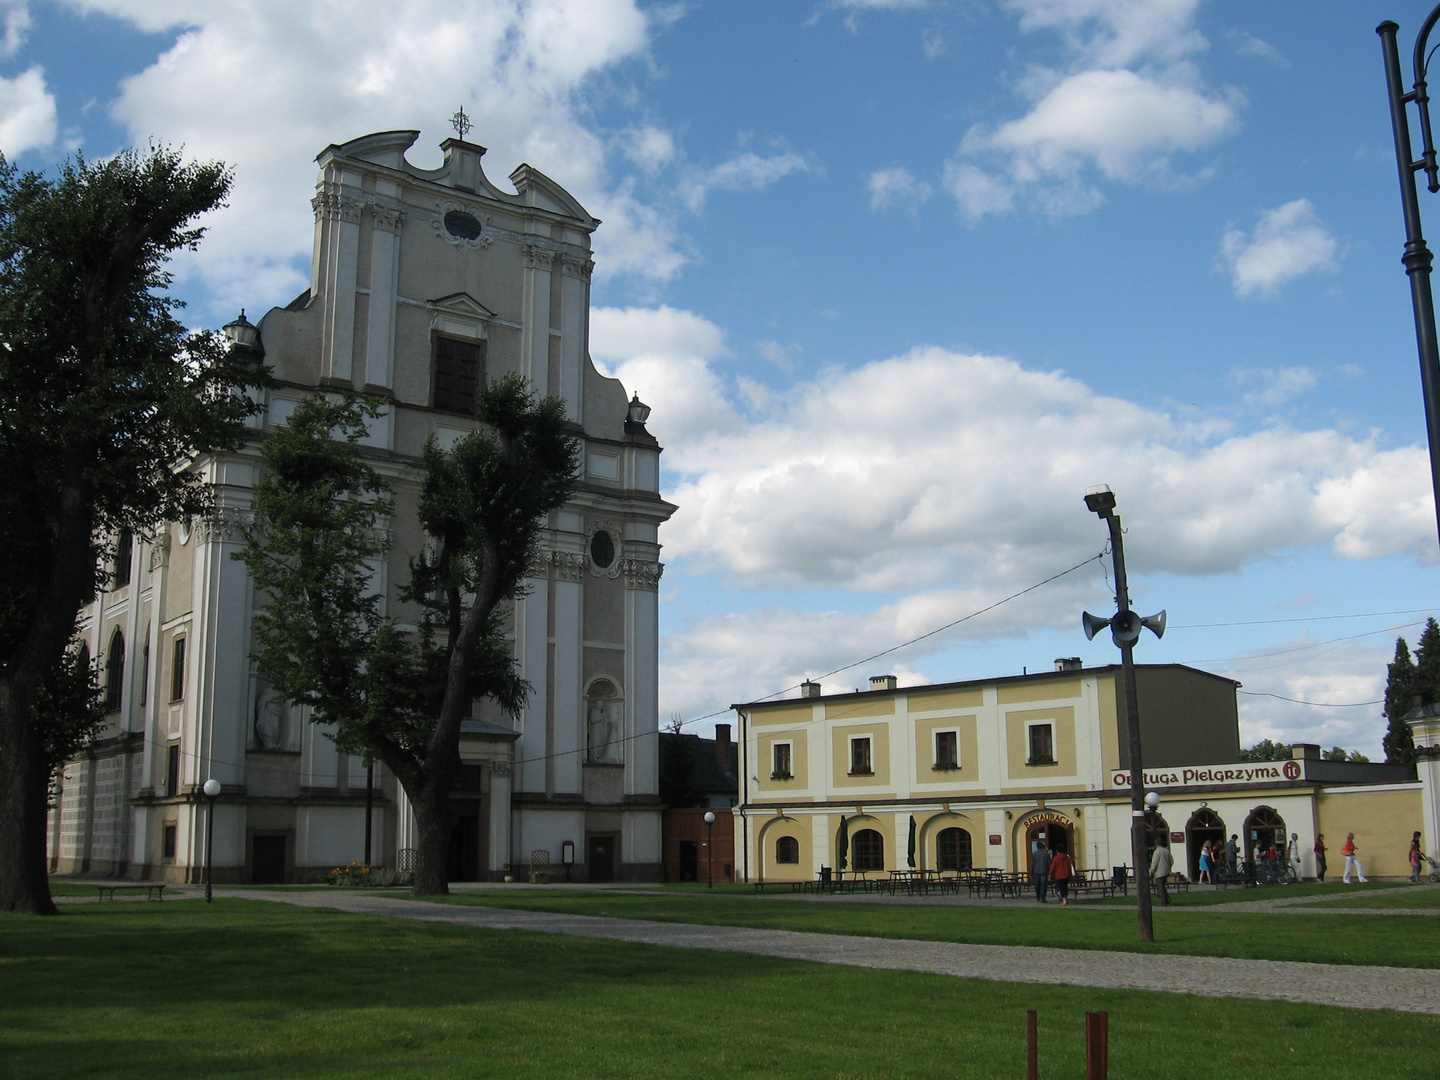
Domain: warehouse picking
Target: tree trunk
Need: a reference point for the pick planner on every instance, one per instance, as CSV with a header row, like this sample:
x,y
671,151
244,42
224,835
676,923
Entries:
x,y
432,857
24,786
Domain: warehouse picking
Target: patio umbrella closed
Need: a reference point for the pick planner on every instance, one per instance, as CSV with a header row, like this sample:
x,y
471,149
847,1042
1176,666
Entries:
x,y
910,857
842,845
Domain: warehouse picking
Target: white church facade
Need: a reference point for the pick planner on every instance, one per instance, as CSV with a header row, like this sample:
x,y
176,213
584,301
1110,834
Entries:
x,y
424,284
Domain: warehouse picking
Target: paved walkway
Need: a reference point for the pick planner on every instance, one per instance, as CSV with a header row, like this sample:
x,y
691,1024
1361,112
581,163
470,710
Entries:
x,y
1358,987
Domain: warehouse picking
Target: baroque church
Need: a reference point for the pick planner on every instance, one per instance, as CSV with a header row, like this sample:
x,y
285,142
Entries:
x,y
424,283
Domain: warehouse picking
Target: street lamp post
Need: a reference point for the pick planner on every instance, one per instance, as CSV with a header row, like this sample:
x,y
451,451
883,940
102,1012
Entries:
x,y
709,849
211,789
1417,257
1125,631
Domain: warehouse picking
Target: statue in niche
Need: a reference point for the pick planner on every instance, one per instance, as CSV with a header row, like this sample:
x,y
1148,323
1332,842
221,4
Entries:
x,y
272,720
603,724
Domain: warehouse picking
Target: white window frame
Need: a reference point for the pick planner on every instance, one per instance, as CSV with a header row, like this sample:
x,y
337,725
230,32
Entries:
x,y
1030,726
935,746
869,755
777,773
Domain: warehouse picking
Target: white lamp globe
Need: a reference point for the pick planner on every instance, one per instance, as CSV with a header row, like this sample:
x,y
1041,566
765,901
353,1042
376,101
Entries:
x,y
1152,800
212,787
709,817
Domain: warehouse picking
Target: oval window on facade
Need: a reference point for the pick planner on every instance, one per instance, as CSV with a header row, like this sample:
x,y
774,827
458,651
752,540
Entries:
x,y
602,550
465,226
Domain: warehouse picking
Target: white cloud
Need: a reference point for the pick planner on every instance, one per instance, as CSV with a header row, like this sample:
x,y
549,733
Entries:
x,y
978,192
27,113
744,172
1275,386
16,15
942,467
1129,102
889,187
649,147
1122,123
618,334
267,86
1115,33
1288,242
1247,44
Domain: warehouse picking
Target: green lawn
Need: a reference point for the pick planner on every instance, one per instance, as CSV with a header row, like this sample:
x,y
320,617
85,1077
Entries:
x,y
245,989
1401,940
1400,898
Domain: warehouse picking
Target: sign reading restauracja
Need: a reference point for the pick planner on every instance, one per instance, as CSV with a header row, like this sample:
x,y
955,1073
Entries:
x,y
1249,772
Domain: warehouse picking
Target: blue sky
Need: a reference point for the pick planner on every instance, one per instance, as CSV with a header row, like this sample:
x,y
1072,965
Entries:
x,y
901,279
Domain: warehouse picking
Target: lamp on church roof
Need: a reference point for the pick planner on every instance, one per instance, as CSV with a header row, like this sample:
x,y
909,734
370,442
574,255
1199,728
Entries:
x,y
635,416
242,333
639,412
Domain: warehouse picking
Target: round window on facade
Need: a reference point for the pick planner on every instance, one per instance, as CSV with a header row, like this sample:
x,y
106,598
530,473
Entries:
x,y
465,226
602,550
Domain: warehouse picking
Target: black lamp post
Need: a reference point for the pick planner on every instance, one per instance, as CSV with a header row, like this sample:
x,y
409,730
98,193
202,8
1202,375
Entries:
x,y
211,789
1125,631
1417,257
709,849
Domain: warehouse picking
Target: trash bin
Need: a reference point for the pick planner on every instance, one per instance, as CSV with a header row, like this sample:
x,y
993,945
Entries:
x,y
824,875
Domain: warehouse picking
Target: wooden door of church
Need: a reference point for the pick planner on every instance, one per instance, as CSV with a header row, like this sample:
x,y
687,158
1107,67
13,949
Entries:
x,y
601,858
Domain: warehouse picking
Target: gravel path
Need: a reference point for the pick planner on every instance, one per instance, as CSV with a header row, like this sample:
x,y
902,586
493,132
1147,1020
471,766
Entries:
x,y
1358,987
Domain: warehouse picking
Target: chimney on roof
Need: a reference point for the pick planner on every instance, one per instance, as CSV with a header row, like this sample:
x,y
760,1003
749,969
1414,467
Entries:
x,y
1068,663
809,689
723,756
882,682
1304,751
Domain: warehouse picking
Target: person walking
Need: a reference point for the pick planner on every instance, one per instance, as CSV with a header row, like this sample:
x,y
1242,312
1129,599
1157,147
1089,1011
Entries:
x,y
1320,857
1293,851
1232,854
1161,863
1205,878
1062,869
1352,861
1415,859
1040,870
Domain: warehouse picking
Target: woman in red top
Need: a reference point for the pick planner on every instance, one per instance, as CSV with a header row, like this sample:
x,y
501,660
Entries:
x,y
1062,869
1351,859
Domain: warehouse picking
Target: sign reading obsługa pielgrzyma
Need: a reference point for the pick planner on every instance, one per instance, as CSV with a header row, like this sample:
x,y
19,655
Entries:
x,y
1248,772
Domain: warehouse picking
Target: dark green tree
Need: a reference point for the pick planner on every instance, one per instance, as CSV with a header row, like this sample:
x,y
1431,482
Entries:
x,y
104,396
1267,750
1427,663
1339,753
1400,686
323,640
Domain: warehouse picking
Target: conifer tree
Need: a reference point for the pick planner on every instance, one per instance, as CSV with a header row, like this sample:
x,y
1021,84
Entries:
x,y
1400,686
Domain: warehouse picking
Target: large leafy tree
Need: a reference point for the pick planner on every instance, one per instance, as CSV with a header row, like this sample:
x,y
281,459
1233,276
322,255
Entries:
x,y
323,638
104,396
1400,687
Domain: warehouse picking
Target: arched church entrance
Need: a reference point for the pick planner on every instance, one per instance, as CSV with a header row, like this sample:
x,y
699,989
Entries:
x,y
1204,824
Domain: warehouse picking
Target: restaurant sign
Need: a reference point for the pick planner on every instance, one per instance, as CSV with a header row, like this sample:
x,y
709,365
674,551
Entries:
x,y
1248,772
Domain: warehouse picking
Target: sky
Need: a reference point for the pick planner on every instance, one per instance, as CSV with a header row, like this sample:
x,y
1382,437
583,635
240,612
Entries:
x,y
901,281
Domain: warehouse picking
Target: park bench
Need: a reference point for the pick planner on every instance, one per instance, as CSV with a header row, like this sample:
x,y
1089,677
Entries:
x,y
152,891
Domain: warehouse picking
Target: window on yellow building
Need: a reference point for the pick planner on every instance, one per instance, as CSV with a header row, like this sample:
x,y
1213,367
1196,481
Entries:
x,y
947,750
867,849
781,764
860,756
1042,744
952,850
787,850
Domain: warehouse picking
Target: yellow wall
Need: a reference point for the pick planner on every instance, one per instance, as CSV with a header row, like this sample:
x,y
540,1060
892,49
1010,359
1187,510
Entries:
x,y
894,857
771,831
1382,822
968,747
783,714
1050,690
1063,717
799,765
879,734
935,701
927,855
879,705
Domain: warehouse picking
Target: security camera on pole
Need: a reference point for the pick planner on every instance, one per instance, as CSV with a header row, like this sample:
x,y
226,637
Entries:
x,y
1125,629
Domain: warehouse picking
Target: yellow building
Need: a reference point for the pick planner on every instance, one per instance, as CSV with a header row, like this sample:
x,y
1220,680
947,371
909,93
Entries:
x,y
987,769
